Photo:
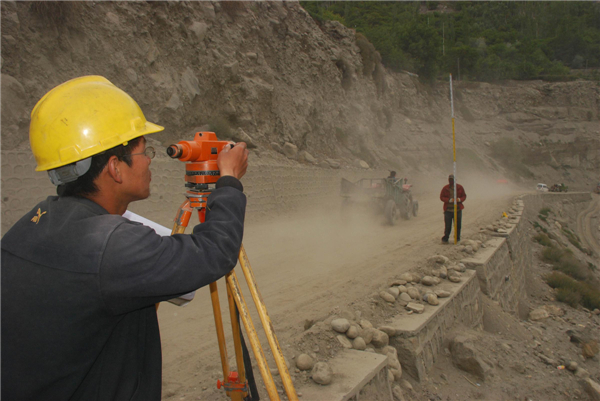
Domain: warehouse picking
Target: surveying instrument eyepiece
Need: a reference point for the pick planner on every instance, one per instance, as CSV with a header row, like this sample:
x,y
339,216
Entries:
x,y
200,156
201,174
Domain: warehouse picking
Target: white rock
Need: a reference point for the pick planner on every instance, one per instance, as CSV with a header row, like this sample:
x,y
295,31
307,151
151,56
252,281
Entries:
x,y
440,259
405,297
344,341
442,293
340,325
538,314
418,308
386,296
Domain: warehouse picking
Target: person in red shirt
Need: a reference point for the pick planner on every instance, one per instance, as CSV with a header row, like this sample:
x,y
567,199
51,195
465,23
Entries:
x,y
447,196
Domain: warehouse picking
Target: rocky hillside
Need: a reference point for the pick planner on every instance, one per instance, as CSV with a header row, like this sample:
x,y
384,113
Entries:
x,y
268,74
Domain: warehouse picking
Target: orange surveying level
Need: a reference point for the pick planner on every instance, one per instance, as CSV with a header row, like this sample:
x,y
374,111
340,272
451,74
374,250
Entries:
x,y
201,175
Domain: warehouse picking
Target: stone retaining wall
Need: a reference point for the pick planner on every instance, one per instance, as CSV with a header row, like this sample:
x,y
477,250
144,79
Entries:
x,y
498,271
420,338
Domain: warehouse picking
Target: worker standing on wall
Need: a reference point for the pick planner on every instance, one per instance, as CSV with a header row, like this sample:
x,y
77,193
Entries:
x,y
447,196
79,281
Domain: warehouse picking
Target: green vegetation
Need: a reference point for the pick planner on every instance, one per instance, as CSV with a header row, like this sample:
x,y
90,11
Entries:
x,y
543,214
573,238
482,41
574,292
543,239
537,225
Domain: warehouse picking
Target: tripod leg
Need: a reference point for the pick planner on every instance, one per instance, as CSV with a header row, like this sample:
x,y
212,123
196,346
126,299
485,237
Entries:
x,y
266,322
237,341
214,296
253,337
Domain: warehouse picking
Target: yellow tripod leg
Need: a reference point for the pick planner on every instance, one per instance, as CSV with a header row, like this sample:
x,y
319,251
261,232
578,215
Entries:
x,y
259,355
214,296
237,340
288,385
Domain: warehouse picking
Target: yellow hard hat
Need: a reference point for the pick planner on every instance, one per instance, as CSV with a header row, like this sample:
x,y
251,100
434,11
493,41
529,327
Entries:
x,y
83,117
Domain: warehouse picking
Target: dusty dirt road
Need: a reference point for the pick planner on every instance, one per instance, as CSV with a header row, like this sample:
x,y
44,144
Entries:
x,y
306,265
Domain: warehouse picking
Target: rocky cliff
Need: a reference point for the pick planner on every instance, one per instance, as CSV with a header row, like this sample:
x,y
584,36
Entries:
x,y
268,74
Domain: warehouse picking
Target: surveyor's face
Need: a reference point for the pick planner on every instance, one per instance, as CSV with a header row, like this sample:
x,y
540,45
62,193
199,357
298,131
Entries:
x,y
137,177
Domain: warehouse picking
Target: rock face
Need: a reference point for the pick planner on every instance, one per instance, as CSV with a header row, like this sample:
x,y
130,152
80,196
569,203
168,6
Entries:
x,y
466,357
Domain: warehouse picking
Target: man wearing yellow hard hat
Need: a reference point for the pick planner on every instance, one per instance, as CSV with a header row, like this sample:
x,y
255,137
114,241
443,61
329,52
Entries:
x,y
79,281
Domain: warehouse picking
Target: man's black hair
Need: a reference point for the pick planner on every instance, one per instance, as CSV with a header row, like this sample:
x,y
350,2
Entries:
x,y
85,185
392,173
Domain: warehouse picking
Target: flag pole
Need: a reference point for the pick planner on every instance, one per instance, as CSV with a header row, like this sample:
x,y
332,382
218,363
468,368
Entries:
x,y
454,165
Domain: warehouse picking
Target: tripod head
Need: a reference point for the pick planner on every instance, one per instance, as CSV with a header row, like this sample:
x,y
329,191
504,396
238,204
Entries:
x,y
200,156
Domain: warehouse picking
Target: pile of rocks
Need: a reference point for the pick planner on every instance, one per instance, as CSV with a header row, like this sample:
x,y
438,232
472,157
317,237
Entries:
x,y
502,226
412,290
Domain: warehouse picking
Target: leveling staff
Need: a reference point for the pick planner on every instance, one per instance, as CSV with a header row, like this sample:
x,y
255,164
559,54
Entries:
x,y
79,282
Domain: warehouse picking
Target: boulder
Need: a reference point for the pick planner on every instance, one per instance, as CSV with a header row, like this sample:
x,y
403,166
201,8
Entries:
x,y
344,341
332,163
389,330
352,331
428,280
322,373
366,334
432,299
340,325
304,156
304,362
290,150
438,259
592,388
466,357
359,344
538,314
442,293
414,293
386,296
394,291
415,307
380,339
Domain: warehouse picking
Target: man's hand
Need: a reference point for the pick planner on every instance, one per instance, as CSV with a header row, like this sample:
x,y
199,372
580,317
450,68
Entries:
x,y
234,161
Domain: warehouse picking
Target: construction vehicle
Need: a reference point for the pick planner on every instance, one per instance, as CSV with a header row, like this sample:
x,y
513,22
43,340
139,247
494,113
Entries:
x,y
391,197
559,188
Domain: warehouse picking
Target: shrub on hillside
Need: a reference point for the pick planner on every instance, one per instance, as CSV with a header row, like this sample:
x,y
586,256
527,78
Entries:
x,y
573,238
569,289
553,255
543,239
